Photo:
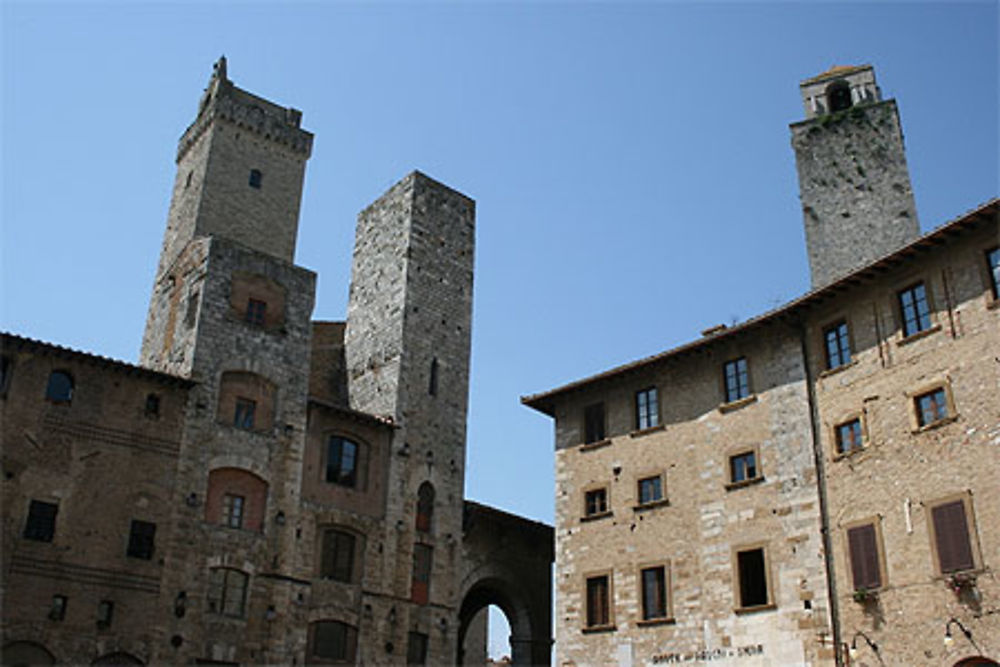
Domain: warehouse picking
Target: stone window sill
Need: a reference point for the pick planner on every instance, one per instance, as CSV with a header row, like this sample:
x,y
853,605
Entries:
x,y
843,367
593,629
650,622
732,486
756,608
935,424
651,505
737,404
588,446
853,451
906,340
646,431
596,517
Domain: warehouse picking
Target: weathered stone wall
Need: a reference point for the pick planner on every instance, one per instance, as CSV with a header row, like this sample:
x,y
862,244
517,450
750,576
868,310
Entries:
x,y
703,519
902,469
857,202
76,455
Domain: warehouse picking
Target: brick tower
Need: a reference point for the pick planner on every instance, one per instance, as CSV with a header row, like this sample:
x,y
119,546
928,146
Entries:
x,y
857,202
407,352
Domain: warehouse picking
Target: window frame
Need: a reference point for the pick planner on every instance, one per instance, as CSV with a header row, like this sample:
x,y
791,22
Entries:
x,y
662,500
350,642
141,545
588,411
916,413
421,577
222,605
353,566
876,523
737,452
256,312
732,401
40,522
609,605
904,335
835,435
417,643
355,481
647,408
769,588
52,395
233,512
668,611
847,338
992,277
244,413
256,179
972,533
597,514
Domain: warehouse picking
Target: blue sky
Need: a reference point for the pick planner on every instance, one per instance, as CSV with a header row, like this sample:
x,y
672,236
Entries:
x,y
630,162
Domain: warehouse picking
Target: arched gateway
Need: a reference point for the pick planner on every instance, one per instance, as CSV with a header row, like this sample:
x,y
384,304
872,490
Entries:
x,y
508,563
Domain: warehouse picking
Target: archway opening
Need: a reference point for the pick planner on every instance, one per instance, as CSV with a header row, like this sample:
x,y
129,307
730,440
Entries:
x,y
492,625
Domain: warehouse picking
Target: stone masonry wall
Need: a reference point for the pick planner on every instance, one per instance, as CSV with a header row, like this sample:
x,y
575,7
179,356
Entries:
x,y
857,202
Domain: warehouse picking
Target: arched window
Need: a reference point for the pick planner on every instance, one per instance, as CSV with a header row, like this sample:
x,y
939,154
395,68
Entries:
x,y
333,640
342,459
227,591
425,507
60,387
339,555
236,499
838,96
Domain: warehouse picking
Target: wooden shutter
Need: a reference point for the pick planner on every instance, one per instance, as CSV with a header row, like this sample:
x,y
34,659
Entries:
x,y
951,530
863,544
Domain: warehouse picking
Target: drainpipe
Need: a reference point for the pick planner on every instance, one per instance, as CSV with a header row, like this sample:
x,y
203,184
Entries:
x,y
824,513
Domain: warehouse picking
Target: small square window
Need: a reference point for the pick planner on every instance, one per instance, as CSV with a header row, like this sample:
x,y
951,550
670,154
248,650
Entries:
x,y
244,415
57,611
105,613
598,602
595,502
932,407
232,510
256,312
41,524
141,539
60,387
743,467
993,265
654,593
647,409
593,418
152,405
650,490
737,380
914,309
849,437
751,570
837,344
256,178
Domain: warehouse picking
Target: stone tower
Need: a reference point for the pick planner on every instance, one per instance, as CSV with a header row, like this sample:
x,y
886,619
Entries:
x,y
857,202
407,354
231,311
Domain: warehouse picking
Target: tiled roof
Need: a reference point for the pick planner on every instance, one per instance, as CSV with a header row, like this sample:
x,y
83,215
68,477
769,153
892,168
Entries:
x,y
836,70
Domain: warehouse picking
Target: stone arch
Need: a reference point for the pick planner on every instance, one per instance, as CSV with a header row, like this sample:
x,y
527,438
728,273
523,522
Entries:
x,y
503,593
976,661
18,653
838,96
117,658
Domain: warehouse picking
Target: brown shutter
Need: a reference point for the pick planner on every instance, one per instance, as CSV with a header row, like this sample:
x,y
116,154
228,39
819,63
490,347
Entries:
x,y
952,532
864,557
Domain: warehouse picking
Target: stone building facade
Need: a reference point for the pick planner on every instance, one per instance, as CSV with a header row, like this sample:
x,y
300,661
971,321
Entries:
x,y
264,488
816,485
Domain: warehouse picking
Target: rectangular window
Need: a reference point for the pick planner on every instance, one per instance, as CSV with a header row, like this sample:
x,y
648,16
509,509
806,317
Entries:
x,y
862,542
416,649
650,489
141,539
341,461
931,407
105,612
232,510
993,264
152,405
737,380
337,559
593,417
423,558
256,178
914,309
227,591
838,346
848,436
595,502
256,312
41,523
743,467
751,568
951,537
598,602
654,593
647,409
57,611
334,641
244,414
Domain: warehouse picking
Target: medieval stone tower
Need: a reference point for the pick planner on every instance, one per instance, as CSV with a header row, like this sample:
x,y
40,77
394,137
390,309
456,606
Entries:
x,y
857,202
